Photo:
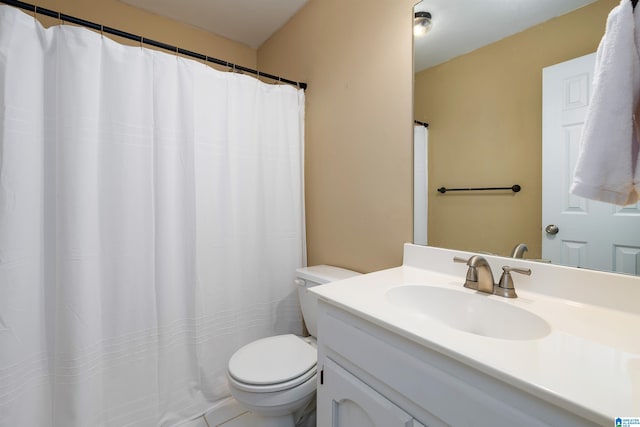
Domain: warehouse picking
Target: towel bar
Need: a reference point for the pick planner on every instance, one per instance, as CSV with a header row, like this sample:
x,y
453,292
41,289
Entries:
x,y
515,188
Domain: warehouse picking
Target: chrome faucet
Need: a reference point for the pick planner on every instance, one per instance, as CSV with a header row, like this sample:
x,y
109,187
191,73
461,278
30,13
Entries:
x,y
479,274
519,250
480,277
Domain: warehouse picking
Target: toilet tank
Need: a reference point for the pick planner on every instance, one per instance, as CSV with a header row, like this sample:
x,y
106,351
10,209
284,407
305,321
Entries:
x,y
308,277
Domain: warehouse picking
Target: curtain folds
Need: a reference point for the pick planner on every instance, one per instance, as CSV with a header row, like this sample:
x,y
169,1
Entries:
x,y
151,221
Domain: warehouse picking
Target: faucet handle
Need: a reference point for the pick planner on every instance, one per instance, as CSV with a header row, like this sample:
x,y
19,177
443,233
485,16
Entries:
x,y
505,286
471,281
525,271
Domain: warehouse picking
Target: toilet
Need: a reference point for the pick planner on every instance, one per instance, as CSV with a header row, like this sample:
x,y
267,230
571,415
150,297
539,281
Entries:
x,y
275,377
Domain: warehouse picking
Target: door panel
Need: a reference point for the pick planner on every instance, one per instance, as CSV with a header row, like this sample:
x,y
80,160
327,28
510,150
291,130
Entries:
x,y
345,401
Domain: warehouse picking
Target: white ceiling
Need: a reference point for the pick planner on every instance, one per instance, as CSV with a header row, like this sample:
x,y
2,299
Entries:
x,y
460,26
250,22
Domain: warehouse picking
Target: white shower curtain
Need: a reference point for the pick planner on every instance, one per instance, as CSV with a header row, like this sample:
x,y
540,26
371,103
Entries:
x,y
151,220
420,184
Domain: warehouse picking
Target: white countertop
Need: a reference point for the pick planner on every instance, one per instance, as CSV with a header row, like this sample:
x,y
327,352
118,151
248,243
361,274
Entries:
x,y
589,363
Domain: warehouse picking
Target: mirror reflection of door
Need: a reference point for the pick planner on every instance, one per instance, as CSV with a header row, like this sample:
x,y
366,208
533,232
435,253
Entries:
x,y
576,231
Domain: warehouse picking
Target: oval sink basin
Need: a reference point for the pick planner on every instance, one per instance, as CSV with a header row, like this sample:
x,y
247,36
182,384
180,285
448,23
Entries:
x,y
474,313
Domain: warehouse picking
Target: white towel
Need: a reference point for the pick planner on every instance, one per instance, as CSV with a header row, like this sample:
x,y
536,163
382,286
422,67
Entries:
x,y
606,167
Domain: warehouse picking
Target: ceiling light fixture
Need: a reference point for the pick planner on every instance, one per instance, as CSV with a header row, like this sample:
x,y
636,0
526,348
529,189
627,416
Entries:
x,y
421,23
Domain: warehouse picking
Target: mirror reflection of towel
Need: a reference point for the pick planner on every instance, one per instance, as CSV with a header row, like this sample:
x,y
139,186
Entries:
x,y
606,169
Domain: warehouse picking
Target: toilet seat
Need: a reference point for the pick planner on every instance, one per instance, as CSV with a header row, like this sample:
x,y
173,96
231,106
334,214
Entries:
x,y
272,364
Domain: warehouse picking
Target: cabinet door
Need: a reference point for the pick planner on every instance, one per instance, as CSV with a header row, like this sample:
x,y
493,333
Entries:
x,y
345,401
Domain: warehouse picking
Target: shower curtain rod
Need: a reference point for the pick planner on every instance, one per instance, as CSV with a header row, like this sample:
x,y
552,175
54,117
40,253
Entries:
x,y
421,123
144,40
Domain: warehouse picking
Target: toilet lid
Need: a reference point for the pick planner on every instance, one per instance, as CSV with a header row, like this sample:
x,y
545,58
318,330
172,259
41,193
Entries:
x,y
272,360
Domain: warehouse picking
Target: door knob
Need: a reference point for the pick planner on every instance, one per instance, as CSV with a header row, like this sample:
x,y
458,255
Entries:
x,y
551,229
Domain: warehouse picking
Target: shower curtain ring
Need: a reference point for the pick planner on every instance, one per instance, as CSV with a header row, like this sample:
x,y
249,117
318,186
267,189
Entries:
x,y
35,11
102,31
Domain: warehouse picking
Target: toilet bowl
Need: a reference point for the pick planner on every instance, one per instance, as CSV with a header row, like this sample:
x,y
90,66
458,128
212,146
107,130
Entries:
x,y
275,377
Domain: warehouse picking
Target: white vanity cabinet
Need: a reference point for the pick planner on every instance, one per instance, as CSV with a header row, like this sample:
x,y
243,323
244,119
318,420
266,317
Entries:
x,y
350,402
370,375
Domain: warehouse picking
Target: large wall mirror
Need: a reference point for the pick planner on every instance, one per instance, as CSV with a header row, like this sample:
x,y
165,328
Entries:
x,y
478,84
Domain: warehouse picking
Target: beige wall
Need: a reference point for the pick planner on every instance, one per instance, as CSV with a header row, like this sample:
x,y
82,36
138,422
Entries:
x,y
116,14
485,114
357,58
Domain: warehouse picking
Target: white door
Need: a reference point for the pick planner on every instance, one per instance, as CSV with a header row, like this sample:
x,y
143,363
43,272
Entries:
x,y
576,231
345,401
